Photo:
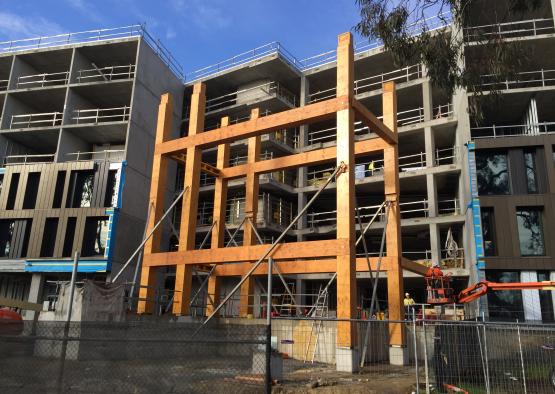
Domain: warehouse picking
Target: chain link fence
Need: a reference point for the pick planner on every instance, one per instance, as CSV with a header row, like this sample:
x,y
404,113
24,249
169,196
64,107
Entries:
x,y
229,355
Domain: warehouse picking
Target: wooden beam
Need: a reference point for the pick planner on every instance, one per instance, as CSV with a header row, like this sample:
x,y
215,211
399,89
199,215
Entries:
x,y
189,208
251,210
158,184
309,158
308,114
393,230
373,123
285,251
345,190
24,305
209,169
413,267
220,194
214,289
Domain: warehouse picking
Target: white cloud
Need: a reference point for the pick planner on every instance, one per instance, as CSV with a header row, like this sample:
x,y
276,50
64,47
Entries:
x,y
170,33
13,26
204,14
86,8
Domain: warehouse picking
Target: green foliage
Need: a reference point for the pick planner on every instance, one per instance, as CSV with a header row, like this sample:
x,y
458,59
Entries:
x,y
403,28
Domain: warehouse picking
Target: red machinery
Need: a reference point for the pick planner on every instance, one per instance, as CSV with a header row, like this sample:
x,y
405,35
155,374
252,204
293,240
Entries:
x,y
438,287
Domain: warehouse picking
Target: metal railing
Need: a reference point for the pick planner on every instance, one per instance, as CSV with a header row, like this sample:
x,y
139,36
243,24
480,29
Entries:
x,y
513,130
446,156
44,119
532,27
97,35
42,80
373,82
114,155
287,177
28,159
525,79
238,160
109,73
4,84
269,89
100,115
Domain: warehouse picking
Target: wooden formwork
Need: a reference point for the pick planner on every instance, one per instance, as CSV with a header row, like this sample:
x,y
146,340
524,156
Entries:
x,y
336,255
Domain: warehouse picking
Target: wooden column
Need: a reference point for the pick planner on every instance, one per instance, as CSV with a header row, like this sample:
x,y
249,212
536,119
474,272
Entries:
x,y
346,267
393,230
218,232
187,232
158,184
251,210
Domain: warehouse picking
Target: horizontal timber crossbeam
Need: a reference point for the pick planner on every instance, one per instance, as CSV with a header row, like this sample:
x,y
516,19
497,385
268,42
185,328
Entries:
x,y
295,250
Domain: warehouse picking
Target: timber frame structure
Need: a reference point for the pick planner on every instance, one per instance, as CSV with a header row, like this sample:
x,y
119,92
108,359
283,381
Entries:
x,y
322,256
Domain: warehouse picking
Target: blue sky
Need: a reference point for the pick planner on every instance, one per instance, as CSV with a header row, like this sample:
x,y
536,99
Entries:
x,y
197,32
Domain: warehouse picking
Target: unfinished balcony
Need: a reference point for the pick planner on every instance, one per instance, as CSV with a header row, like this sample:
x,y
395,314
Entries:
x,y
95,116
42,80
28,121
509,30
41,70
272,95
5,69
105,74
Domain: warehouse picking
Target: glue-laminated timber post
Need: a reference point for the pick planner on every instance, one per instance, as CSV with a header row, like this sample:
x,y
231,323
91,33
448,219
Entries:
x,y
218,216
345,189
158,185
251,210
393,229
187,232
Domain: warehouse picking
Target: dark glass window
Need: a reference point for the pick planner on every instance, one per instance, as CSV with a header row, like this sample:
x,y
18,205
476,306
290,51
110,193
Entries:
x,y
59,190
546,301
493,173
31,190
488,231
80,189
1,181
530,231
111,189
12,192
49,237
95,236
69,237
531,175
6,233
505,305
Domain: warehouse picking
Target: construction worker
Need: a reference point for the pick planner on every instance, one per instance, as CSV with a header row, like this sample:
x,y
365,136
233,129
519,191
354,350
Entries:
x,y
408,301
371,168
436,275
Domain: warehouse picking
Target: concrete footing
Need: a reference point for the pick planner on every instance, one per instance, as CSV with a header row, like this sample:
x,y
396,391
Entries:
x,y
398,355
346,359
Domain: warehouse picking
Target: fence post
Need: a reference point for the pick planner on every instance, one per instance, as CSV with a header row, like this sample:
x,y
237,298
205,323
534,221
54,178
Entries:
x,y
426,354
269,329
488,388
415,350
521,356
67,323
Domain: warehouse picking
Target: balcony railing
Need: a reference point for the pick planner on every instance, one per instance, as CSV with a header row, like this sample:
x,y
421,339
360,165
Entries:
x,y
97,35
110,73
446,156
532,27
42,80
408,209
513,130
526,79
404,118
238,160
425,257
101,115
44,119
266,90
4,84
28,159
374,82
112,155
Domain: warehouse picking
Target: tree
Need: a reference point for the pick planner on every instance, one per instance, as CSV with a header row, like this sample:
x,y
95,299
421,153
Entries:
x,y
406,33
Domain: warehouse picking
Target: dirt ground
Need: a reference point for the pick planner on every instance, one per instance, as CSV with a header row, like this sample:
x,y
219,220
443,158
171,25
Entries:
x,y
325,379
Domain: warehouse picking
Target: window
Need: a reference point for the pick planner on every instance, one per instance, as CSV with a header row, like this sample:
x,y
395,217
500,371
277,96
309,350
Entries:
x,y
12,193
14,237
96,234
493,173
531,176
31,190
49,237
69,237
488,231
6,233
1,181
59,190
80,189
546,301
111,189
530,231
505,305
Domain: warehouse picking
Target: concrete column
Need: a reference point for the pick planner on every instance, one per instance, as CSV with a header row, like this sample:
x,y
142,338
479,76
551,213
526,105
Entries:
x,y
302,171
531,298
553,9
300,299
430,147
435,243
431,190
427,102
552,278
35,293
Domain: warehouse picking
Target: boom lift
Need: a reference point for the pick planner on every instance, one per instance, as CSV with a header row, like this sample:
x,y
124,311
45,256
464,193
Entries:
x,y
440,292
